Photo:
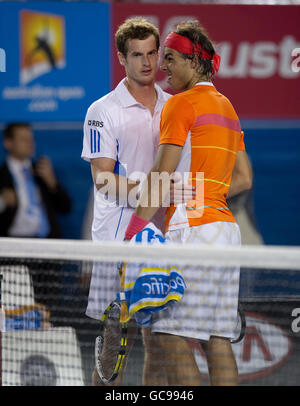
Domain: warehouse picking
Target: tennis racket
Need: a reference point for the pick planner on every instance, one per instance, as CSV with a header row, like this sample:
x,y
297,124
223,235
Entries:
x,y
110,347
111,344
241,326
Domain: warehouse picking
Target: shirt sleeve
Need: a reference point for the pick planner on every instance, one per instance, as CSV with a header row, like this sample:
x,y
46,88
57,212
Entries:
x,y
177,118
99,138
242,144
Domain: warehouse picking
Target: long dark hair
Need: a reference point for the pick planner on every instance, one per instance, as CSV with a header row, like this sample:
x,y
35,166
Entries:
x,y
195,32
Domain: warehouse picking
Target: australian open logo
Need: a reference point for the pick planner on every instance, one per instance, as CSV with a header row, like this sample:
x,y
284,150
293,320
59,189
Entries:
x,y
42,44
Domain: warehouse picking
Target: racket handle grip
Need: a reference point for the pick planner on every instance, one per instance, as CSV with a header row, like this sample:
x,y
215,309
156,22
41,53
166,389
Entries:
x,y
124,315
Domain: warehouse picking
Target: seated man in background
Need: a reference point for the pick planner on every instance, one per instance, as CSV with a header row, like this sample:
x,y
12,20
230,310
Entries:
x,y
30,195
30,198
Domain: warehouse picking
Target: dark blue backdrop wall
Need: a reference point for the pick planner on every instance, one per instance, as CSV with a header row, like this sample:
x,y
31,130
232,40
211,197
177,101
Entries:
x,y
274,150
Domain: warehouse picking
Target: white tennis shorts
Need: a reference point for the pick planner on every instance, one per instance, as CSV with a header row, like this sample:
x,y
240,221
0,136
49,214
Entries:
x,y
210,302
105,283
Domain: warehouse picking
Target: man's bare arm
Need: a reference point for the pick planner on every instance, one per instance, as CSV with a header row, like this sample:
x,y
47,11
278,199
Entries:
x,y
241,176
115,186
125,191
166,161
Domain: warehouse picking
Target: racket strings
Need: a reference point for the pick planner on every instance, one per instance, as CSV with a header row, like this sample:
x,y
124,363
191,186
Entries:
x,y
112,340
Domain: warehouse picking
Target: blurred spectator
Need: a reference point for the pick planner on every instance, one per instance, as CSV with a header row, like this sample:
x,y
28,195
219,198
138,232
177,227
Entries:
x,y
30,195
30,198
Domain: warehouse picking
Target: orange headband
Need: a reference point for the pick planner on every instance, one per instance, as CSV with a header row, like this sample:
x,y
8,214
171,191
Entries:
x,y
185,46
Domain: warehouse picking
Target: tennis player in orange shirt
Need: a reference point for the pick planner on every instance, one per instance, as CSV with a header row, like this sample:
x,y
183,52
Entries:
x,y
200,134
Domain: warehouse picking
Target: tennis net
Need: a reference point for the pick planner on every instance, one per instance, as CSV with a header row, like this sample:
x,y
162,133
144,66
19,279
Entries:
x,y
47,338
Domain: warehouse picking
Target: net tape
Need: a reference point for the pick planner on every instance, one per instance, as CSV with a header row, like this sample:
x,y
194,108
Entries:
x,y
275,257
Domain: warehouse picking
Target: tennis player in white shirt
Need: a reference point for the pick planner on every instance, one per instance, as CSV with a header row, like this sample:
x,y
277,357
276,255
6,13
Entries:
x,y
121,134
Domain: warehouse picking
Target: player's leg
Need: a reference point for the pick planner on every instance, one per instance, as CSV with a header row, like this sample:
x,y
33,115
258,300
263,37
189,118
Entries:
x,y
222,301
181,366
154,371
221,362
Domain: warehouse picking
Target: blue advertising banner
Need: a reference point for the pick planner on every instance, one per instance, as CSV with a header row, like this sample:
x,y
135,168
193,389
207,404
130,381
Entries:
x,y
55,59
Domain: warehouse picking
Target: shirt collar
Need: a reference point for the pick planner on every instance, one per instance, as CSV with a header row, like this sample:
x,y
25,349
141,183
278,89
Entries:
x,y
205,83
124,96
17,165
127,100
160,94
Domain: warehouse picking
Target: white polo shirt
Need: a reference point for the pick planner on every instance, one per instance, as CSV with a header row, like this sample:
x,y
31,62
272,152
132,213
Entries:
x,y
118,127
